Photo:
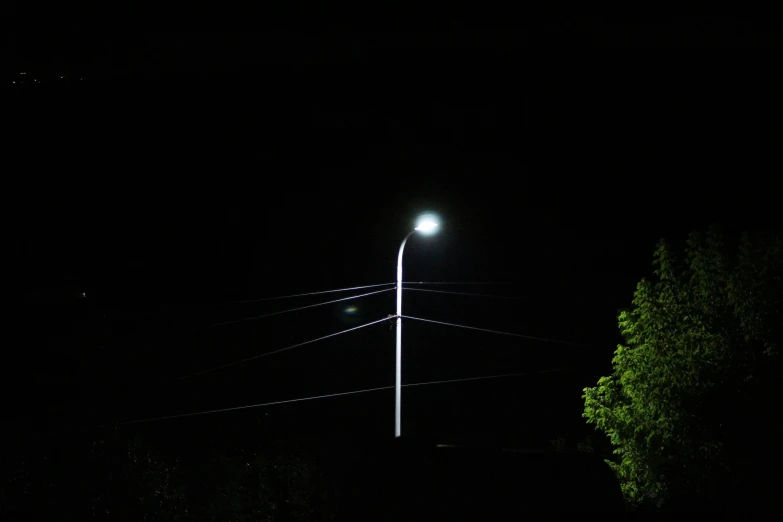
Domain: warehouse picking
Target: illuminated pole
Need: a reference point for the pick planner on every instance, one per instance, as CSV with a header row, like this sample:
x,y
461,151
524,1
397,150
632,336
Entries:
x,y
424,226
398,374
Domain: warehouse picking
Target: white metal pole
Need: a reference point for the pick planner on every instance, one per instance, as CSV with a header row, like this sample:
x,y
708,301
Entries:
x,y
398,374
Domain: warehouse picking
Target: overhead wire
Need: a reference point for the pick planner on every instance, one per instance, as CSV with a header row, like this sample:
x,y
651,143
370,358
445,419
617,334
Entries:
x,y
329,395
266,354
543,339
486,283
484,377
235,321
320,292
459,293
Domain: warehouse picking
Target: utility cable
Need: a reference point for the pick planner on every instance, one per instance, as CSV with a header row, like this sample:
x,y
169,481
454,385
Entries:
x,y
486,283
222,366
260,299
327,396
544,339
459,293
234,321
483,377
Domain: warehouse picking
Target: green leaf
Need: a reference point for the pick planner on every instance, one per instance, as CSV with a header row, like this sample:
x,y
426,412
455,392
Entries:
x,y
707,311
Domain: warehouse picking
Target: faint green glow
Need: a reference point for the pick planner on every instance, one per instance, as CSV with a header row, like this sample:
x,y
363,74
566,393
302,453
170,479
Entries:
x,y
351,310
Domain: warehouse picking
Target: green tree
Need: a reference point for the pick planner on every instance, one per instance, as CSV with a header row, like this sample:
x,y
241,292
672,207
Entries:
x,y
685,403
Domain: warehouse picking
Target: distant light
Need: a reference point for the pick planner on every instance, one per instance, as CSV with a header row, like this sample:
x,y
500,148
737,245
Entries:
x,y
351,310
22,73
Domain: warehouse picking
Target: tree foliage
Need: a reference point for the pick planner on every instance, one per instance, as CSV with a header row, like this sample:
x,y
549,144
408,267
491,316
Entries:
x,y
684,404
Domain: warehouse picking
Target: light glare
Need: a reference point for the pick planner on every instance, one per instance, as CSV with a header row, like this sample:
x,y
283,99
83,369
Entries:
x,y
427,223
427,226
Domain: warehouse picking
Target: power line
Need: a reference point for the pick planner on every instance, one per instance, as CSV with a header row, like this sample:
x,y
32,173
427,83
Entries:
x,y
222,366
484,377
330,395
486,283
260,299
459,293
544,339
234,321
235,408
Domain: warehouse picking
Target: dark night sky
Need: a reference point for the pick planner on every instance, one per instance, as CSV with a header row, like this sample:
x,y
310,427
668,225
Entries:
x,y
191,169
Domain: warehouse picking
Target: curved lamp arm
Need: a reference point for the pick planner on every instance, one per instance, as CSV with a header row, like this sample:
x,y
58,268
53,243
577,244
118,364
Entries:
x,y
399,273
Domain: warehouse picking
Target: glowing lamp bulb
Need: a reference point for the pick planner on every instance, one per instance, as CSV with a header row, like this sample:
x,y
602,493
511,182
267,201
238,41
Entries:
x,y
427,226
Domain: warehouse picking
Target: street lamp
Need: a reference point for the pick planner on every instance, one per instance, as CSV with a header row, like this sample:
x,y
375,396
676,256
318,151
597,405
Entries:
x,y
426,225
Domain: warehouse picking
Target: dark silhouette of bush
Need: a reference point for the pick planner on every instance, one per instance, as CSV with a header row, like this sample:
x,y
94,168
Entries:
x,y
412,480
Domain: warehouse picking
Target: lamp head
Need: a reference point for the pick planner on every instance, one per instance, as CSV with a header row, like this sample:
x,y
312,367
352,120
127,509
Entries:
x,y
427,224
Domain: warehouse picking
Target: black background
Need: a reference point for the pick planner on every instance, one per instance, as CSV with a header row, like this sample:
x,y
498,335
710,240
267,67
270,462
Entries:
x,y
186,170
